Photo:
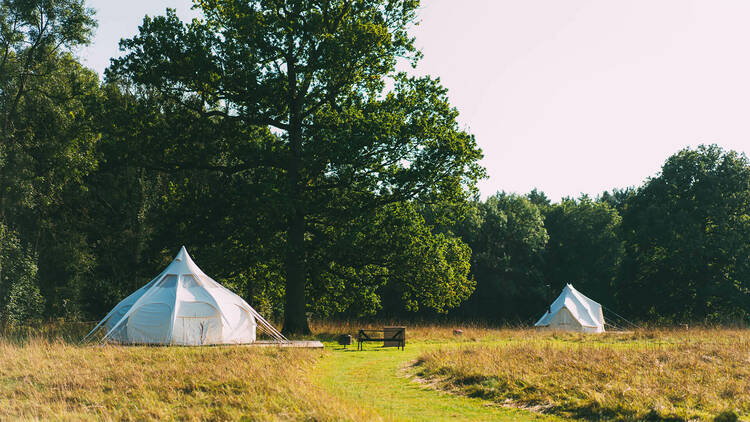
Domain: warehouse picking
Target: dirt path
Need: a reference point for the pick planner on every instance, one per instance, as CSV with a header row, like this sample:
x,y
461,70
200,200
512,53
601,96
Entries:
x,y
374,380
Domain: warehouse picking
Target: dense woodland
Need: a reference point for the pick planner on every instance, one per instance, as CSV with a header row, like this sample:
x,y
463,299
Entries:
x,y
276,140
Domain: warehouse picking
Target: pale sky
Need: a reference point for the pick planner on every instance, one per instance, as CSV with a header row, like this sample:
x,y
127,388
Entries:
x,y
568,96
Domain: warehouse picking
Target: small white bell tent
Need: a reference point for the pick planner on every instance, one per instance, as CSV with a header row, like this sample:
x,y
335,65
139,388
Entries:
x,y
184,306
572,311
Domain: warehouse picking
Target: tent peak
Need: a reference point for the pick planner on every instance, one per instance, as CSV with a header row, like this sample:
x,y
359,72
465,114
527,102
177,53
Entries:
x,y
182,255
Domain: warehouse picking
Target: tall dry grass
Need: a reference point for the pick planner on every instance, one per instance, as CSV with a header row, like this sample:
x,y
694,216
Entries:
x,y
47,379
645,375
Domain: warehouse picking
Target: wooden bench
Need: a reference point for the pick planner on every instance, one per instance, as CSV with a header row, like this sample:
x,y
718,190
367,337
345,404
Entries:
x,y
390,336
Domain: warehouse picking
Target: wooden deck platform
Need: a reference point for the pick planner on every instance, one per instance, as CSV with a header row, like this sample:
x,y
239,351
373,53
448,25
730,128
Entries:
x,y
300,344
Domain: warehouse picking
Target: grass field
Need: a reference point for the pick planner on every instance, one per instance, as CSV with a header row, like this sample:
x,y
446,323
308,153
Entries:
x,y
485,374
648,375
55,380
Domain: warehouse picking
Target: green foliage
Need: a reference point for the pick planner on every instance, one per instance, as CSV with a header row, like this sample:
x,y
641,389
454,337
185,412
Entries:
x,y
507,238
25,302
20,299
539,199
389,262
687,234
618,198
40,99
47,140
584,248
426,271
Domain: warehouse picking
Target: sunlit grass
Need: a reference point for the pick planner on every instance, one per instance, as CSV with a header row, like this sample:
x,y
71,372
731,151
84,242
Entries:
x,y
42,379
650,374
645,374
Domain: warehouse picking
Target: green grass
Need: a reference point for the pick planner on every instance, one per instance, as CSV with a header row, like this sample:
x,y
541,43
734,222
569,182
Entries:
x,y
378,381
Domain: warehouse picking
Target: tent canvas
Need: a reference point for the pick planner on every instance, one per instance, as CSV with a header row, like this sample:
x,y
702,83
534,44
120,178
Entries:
x,y
184,306
572,311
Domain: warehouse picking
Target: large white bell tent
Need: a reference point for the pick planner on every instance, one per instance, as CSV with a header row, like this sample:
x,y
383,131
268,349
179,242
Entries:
x,y
184,306
572,311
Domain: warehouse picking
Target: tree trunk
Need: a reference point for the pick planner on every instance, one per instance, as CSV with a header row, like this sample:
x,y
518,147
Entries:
x,y
295,316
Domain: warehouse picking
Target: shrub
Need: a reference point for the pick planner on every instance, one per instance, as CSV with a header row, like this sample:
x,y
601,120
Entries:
x,y
20,298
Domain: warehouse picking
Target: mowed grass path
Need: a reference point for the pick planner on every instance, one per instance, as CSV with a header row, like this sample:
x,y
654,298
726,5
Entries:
x,y
375,381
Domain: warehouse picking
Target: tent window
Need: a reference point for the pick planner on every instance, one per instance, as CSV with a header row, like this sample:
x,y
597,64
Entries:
x,y
169,282
189,282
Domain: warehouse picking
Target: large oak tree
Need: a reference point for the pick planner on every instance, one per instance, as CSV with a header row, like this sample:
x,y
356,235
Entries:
x,y
346,134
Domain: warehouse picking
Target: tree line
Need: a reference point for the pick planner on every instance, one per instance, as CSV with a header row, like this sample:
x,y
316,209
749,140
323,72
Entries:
x,y
279,143
674,250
